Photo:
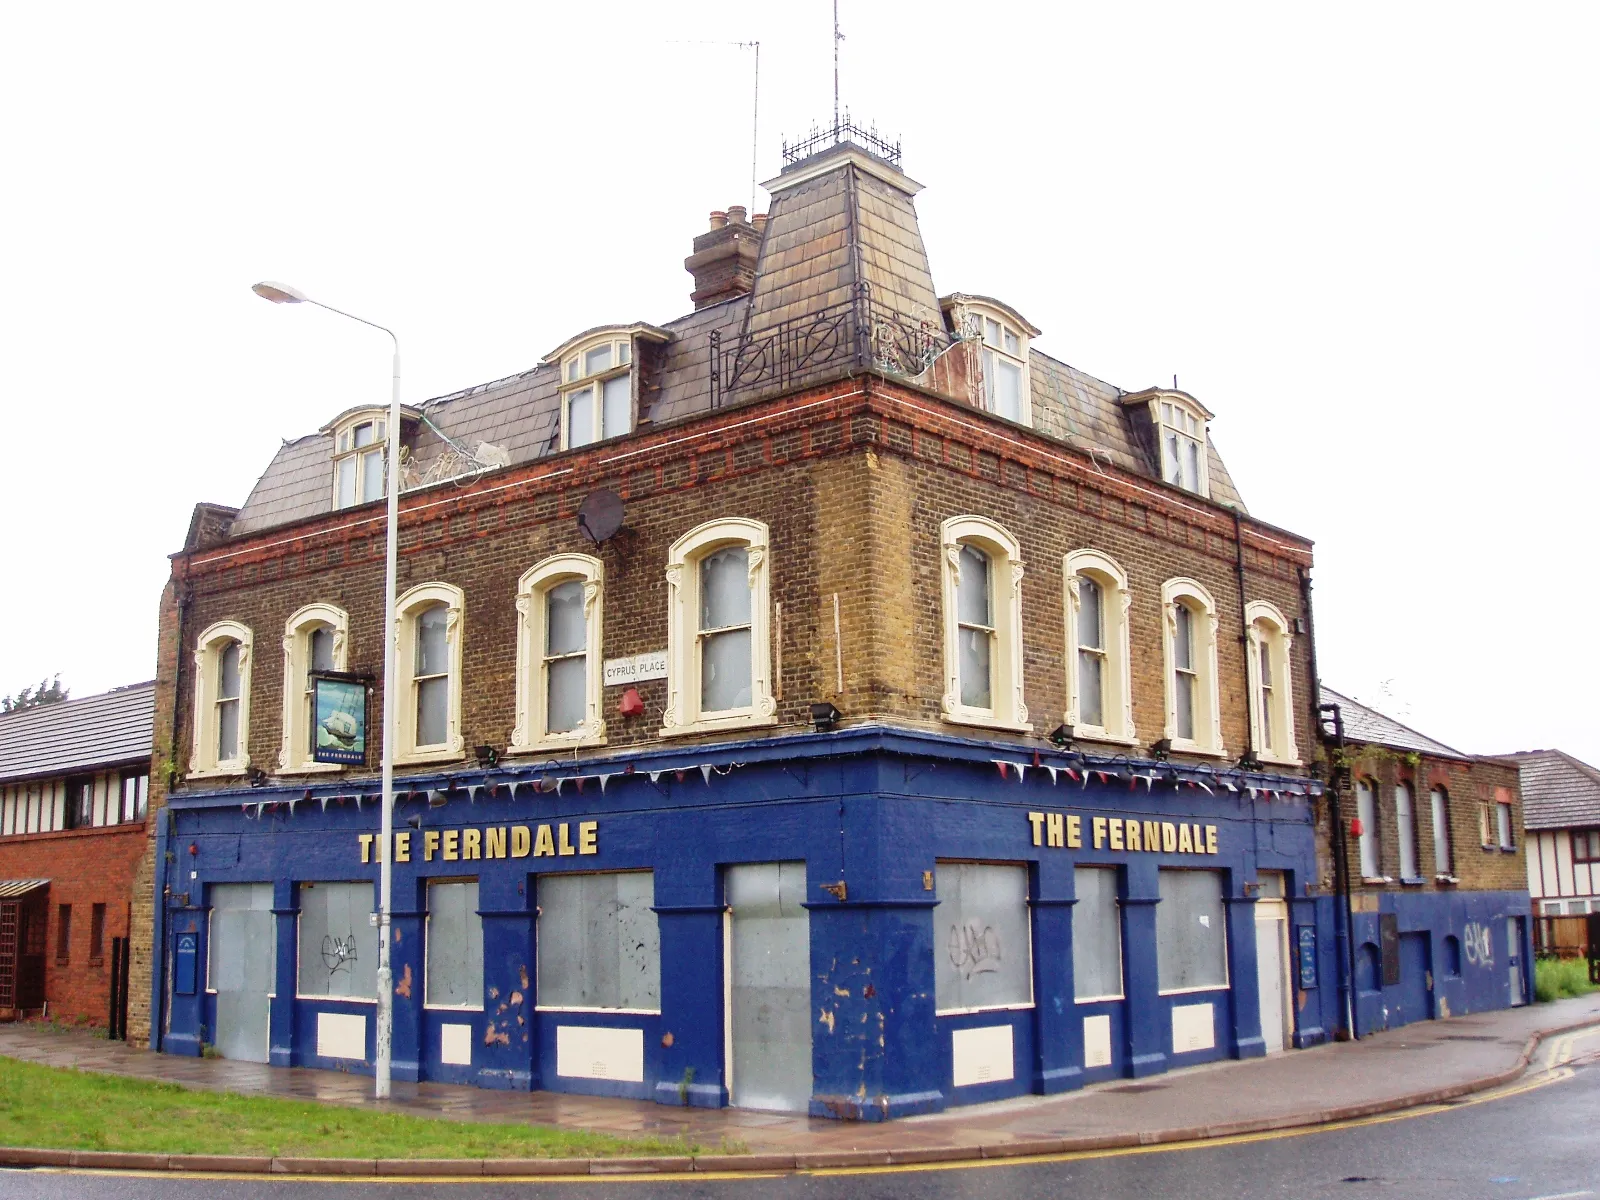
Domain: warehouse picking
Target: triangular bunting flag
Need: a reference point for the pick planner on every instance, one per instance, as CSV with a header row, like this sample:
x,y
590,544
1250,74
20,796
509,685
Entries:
x,y
603,779
999,766
705,772
655,776
1022,771
1052,771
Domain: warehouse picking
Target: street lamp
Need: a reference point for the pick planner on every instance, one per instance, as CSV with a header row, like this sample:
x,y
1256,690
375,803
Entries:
x,y
282,293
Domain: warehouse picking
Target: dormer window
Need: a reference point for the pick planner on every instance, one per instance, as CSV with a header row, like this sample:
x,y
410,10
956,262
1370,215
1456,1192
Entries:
x,y
1183,445
358,463
998,336
597,392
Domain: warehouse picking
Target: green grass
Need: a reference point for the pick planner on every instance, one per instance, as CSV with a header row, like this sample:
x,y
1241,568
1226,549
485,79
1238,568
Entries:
x,y
80,1110
1556,978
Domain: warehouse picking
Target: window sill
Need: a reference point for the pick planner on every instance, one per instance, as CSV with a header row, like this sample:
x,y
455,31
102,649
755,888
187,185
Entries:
x,y
1289,761
546,745
582,1010
1179,746
312,768
220,771
1080,734
1508,849
455,1008
1098,999
750,720
434,754
986,1008
1412,881
1191,991
373,1000
986,721
1376,880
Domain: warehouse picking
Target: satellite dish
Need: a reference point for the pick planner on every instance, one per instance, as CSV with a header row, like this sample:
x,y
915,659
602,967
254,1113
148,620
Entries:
x,y
600,515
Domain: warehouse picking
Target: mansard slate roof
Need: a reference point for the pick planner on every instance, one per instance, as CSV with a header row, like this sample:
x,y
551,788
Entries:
x,y
1363,724
81,734
1558,791
841,224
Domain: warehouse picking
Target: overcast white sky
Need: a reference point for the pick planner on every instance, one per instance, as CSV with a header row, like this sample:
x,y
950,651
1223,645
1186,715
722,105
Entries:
x,y
1365,236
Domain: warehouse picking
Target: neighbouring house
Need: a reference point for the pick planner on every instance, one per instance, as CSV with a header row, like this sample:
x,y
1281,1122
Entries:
x,y
1561,798
1428,839
825,700
74,784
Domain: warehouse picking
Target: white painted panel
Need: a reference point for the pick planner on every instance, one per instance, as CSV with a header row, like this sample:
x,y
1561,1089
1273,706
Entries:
x,y
455,1045
1097,1041
982,1055
342,1035
593,1052
1564,866
1580,879
1547,865
1192,1028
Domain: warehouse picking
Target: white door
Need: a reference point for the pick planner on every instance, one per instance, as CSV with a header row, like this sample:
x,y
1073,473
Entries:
x,y
768,987
1519,994
1271,980
242,966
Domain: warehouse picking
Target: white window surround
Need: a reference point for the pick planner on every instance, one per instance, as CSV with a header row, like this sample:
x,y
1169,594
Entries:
x,y
1117,669
294,756
412,603
532,590
1001,336
600,370
352,480
683,714
203,760
1008,710
1269,630
1192,594
1180,422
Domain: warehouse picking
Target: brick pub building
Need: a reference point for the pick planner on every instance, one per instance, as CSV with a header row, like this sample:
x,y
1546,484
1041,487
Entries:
x,y
930,725
74,779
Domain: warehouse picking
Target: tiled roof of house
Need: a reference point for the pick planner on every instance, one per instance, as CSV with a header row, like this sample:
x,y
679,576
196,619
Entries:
x,y
839,232
1558,790
79,734
1363,724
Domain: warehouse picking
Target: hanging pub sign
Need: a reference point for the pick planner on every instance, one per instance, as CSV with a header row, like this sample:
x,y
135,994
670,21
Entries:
x,y
339,719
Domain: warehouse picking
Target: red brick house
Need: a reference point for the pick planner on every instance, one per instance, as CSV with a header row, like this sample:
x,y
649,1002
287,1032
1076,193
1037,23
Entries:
x,y
74,782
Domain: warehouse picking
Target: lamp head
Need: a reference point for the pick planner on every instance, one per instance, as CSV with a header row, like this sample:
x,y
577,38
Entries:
x,y
278,293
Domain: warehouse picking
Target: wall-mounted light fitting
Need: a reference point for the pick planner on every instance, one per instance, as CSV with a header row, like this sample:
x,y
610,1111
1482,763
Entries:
x,y
1162,749
1061,736
487,756
824,716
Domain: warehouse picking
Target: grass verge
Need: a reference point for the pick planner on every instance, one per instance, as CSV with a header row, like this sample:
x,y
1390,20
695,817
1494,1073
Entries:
x,y
1557,978
79,1110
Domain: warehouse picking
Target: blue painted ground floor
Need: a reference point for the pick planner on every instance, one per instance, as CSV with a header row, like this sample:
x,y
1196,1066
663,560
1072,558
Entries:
x,y
862,924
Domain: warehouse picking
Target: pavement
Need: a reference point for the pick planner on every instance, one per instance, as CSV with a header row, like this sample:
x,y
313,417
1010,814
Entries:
x,y
1419,1064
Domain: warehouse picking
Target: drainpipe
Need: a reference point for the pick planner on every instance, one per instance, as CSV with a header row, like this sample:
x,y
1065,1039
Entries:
x,y
1344,945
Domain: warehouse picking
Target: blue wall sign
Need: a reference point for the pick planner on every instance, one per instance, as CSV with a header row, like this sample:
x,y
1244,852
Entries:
x,y
186,958
1308,956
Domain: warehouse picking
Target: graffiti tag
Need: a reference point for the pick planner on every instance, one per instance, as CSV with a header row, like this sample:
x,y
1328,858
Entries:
x,y
338,953
973,949
1479,946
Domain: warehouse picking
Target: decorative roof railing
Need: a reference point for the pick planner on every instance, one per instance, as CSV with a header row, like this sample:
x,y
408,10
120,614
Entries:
x,y
842,130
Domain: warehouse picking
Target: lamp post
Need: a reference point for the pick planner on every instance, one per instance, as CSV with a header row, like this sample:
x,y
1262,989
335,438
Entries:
x,y
281,293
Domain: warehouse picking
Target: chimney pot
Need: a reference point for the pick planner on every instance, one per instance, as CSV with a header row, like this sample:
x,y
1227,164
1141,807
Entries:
x,y
736,214
760,222
718,221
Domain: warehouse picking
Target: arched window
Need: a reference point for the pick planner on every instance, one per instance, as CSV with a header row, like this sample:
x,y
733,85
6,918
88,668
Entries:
x,y
1443,848
982,593
1099,673
315,639
1271,693
222,701
428,673
559,622
719,656
1194,715
1367,814
1001,335
1405,821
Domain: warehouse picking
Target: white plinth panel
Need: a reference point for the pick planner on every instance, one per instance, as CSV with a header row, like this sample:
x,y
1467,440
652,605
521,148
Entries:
x,y
1192,1028
1097,1041
342,1035
455,1045
594,1052
982,1055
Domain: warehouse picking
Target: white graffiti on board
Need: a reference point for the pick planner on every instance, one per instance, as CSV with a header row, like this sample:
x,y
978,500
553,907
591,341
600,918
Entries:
x,y
1480,947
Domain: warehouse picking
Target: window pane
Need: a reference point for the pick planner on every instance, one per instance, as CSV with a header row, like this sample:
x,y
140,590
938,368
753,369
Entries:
x,y
322,648
1090,607
1505,826
1091,693
1007,389
228,672
991,331
1096,934
1265,705
1191,465
580,417
1174,464
227,730
455,945
1406,825
617,405
338,943
974,647
565,627
1012,345
347,482
972,589
597,360
568,681
432,640
1441,831
1183,707
371,475
363,433
1183,637
624,353
599,941
980,936
1266,657
433,703
725,588
1191,942
1367,812
725,673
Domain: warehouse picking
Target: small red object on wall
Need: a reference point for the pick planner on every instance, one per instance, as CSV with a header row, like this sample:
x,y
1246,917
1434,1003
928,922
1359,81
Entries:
x,y
1355,826
630,705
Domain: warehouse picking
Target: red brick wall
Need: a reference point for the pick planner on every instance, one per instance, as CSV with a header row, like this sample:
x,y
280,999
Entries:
x,y
85,867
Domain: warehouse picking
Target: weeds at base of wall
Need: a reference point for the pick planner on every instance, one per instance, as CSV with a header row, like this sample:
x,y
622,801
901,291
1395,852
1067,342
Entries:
x,y
1559,978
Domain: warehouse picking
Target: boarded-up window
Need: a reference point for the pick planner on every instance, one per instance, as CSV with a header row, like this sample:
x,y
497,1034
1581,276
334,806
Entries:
x,y
981,949
455,945
338,942
1191,937
1096,935
599,942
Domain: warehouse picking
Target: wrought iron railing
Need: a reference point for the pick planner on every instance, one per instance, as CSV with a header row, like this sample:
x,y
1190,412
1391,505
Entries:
x,y
851,335
842,130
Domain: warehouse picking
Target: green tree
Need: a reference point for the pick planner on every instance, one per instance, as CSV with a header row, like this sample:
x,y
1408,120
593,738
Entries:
x,y
49,691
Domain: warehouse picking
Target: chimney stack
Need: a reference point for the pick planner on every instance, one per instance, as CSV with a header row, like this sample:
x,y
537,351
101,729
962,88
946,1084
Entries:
x,y
724,260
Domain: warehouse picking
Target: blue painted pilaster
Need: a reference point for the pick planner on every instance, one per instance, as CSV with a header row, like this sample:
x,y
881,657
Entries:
x,y
1058,1030
280,1010
1148,1027
507,1047
1246,986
